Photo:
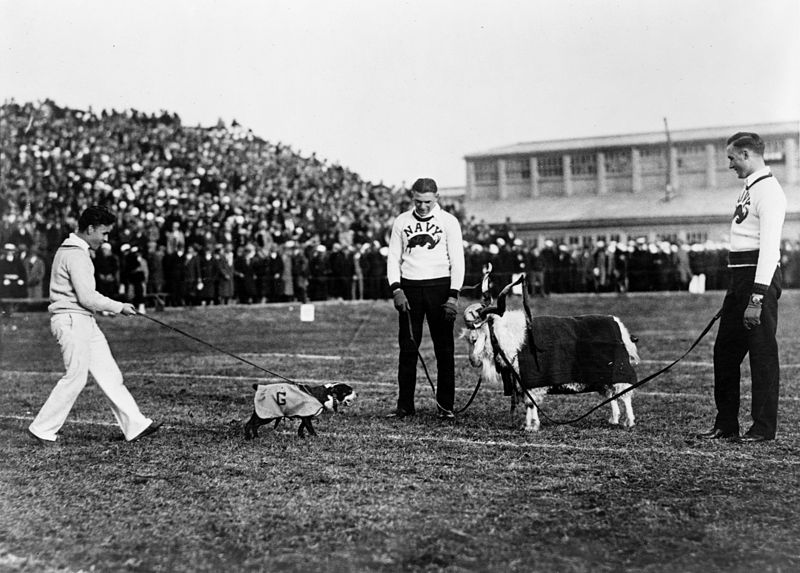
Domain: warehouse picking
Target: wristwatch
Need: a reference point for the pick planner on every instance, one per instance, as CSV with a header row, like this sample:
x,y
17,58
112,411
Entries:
x,y
756,299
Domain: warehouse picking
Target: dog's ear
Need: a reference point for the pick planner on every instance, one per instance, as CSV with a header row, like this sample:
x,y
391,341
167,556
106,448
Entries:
x,y
255,386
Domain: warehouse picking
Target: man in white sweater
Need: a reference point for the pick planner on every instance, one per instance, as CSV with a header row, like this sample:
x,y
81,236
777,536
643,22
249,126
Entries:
x,y
425,269
750,310
73,302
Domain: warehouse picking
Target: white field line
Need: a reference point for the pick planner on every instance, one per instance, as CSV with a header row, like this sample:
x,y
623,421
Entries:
x,y
332,357
336,357
411,439
571,447
354,383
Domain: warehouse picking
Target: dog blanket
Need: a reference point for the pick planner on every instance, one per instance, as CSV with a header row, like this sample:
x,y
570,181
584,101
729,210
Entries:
x,y
584,349
285,401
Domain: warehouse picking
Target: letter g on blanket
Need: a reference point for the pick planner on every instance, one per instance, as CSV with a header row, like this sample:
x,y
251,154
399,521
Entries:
x,y
274,402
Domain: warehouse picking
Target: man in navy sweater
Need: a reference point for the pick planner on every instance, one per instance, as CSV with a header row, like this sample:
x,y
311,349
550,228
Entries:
x,y
425,268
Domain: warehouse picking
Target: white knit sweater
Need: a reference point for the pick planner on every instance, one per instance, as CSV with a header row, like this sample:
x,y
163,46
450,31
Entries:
x,y
758,223
72,284
426,248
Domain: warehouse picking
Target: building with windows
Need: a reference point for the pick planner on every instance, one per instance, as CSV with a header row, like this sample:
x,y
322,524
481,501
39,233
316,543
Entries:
x,y
622,187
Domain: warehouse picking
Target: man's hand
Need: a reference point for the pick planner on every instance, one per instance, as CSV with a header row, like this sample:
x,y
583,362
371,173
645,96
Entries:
x,y
752,314
128,309
400,301
450,309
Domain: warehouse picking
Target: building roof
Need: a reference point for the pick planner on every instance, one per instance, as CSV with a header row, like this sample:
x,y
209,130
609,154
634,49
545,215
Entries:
x,y
636,139
616,207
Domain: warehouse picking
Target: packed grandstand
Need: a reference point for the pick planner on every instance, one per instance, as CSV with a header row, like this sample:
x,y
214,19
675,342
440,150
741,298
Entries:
x,y
216,215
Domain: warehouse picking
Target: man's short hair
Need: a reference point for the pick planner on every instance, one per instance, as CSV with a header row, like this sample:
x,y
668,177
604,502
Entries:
x,y
747,140
424,185
94,216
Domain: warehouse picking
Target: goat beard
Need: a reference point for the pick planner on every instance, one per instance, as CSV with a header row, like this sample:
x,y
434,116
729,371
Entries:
x,y
483,353
489,372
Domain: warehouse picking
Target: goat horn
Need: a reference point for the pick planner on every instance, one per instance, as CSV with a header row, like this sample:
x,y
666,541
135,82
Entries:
x,y
486,296
500,307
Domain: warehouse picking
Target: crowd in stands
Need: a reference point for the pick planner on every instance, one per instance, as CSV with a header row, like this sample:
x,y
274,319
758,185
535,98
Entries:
x,y
218,215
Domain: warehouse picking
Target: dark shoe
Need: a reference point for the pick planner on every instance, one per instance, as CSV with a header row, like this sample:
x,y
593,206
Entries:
x,y
42,442
446,415
749,438
716,434
151,429
399,413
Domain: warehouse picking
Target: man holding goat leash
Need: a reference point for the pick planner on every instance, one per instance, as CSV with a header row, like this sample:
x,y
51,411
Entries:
x,y
425,269
73,303
750,310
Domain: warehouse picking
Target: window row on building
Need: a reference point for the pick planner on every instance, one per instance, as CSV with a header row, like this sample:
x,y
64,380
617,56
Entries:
x,y
689,159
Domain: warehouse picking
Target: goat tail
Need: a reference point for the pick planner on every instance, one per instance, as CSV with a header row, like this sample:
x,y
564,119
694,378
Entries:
x,y
629,341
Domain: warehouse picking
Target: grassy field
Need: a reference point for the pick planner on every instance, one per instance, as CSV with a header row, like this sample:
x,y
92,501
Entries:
x,y
377,494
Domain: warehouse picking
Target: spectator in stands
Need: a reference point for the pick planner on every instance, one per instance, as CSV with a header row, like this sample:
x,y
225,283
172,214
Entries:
x,y
176,240
246,270
34,273
138,276
300,273
174,277
319,272
286,278
155,264
223,257
106,268
683,270
192,280
272,286
208,278
358,277
12,274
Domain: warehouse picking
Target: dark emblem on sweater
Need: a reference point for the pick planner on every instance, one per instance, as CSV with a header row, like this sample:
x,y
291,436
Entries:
x,y
422,241
742,209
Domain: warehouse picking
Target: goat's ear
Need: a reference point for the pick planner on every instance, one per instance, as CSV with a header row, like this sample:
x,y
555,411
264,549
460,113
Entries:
x,y
255,386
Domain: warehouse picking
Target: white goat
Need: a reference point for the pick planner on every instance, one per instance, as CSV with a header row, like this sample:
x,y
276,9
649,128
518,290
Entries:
x,y
512,341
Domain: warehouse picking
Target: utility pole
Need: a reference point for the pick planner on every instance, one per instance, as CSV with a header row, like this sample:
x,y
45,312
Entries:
x,y
668,187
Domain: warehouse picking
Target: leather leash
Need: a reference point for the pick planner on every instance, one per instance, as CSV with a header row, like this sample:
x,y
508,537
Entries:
x,y
428,376
231,354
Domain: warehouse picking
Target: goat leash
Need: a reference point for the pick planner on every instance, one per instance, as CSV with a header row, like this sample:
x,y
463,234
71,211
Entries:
x,y
615,396
231,354
428,376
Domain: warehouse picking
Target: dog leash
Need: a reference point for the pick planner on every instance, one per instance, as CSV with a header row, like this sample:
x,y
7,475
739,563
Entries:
x,y
518,379
428,376
231,354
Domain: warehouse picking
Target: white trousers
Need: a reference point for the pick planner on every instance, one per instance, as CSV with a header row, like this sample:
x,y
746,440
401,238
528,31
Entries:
x,y
85,350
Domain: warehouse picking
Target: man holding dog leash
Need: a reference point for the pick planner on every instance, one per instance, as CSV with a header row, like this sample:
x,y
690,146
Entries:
x,y
750,310
73,301
425,269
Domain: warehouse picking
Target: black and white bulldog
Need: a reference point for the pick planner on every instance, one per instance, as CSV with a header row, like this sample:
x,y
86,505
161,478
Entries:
x,y
274,402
